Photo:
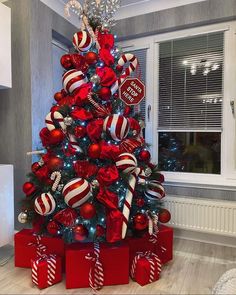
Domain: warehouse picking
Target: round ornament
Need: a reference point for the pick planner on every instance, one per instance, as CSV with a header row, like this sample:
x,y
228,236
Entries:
x,y
91,58
44,204
126,162
148,172
116,126
76,192
56,136
58,96
155,190
95,79
140,221
66,61
55,163
53,228
82,41
28,188
68,121
87,211
95,183
23,217
104,93
79,131
94,151
164,216
73,79
144,156
35,167
80,233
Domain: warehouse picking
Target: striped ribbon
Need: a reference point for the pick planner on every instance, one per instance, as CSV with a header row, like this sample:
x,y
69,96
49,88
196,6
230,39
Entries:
x,y
40,248
154,261
96,273
154,230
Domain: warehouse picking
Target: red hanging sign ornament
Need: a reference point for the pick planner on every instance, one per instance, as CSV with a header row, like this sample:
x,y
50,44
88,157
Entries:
x,y
132,91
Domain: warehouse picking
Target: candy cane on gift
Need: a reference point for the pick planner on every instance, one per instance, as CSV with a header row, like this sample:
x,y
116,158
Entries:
x,y
127,57
54,117
128,199
56,176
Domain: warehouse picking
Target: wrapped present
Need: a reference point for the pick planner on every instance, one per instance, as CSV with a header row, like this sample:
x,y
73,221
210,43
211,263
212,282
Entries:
x,y
46,270
26,247
164,243
145,268
88,264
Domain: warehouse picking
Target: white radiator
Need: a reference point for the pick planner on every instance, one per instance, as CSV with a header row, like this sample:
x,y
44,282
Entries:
x,y
203,215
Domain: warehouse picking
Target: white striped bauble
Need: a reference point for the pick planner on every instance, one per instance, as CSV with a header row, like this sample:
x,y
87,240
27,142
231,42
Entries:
x,y
155,190
82,41
73,79
76,192
126,162
44,204
116,126
52,118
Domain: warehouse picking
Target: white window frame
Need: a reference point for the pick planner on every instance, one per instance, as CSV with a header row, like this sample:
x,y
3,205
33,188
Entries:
x,y
227,178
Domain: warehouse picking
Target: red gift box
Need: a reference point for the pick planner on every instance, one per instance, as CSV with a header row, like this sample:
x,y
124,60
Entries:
x,y
114,259
46,271
164,245
26,247
146,268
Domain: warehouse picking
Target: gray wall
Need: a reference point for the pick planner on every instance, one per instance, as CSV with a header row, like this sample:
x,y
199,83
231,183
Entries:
x,y
23,106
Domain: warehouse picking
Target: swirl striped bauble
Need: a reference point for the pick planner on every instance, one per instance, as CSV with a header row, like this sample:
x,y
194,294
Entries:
x,y
126,162
76,192
44,204
116,126
155,190
82,41
73,79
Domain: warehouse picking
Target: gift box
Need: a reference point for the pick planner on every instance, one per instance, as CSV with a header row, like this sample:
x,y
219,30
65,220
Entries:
x,y
26,247
81,261
164,244
46,270
145,268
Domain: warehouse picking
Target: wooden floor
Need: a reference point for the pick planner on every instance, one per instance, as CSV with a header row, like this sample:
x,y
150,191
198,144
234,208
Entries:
x,y
195,269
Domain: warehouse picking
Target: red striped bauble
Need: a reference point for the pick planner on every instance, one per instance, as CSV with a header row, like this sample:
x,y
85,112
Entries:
x,y
116,126
155,190
76,192
73,79
82,41
126,162
44,204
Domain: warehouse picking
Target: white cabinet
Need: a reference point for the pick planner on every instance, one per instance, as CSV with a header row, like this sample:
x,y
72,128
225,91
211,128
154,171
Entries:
x,y
5,47
6,204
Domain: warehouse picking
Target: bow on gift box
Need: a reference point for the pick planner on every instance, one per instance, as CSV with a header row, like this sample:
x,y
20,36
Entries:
x,y
96,274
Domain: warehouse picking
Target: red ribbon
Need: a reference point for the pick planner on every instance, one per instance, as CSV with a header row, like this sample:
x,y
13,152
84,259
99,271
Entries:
x,y
85,169
81,114
109,151
66,216
107,175
106,42
94,129
107,76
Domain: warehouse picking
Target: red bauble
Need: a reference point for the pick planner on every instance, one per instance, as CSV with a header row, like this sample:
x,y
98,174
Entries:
x,y
127,111
58,96
87,211
119,68
91,58
53,227
140,202
94,151
66,61
144,156
28,188
56,136
80,131
80,232
35,167
164,216
54,163
116,95
100,230
140,221
104,93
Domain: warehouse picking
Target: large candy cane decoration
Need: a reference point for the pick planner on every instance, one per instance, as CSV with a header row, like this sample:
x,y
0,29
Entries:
x,y
127,57
128,199
53,117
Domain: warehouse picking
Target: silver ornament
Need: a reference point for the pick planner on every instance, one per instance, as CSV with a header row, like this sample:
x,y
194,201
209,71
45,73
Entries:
x,y
106,26
22,217
142,124
95,79
41,162
148,172
95,183
68,121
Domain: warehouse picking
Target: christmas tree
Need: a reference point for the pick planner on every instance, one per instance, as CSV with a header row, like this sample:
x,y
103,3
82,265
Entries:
x,y
94,179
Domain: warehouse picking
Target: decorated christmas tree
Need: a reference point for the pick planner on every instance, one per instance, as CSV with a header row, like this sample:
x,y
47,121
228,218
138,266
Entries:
x,y
94,180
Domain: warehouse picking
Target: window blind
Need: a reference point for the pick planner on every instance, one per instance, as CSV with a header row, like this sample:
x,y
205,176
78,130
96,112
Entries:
x,y
190,83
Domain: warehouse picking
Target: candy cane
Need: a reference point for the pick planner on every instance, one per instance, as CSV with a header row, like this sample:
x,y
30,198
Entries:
x,y
74,143
57,177
127,57
54,117
128,199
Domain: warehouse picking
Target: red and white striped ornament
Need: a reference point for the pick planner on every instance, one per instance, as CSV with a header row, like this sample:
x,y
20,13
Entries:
x,y
117,126
73,79
76,192
44,204
127,57
52,118
155,190
126,162
74,143
82,41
